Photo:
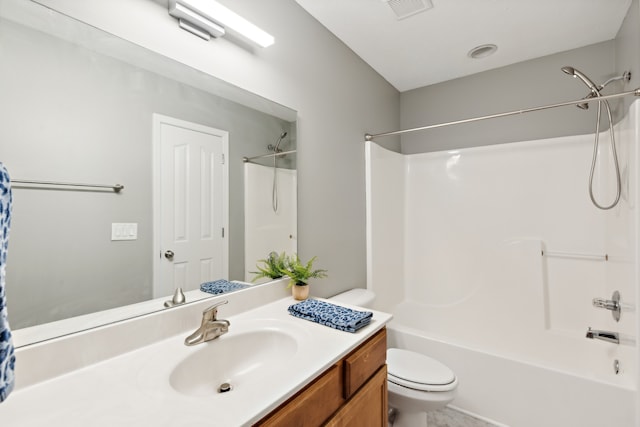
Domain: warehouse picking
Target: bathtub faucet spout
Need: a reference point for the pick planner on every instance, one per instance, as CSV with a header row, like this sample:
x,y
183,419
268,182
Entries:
x,y
612,337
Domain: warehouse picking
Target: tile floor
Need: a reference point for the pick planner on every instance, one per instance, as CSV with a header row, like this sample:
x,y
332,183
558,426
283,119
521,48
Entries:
x,y
448,417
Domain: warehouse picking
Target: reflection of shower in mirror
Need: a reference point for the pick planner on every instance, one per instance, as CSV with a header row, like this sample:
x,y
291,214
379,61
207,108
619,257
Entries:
x,y
268,229
274,190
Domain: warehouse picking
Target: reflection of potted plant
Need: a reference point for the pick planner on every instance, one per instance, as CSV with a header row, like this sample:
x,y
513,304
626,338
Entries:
x,y
299,275
274,267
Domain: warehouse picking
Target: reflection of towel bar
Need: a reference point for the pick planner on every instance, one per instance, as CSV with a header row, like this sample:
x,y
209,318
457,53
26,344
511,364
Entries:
x,y
115,188
604,257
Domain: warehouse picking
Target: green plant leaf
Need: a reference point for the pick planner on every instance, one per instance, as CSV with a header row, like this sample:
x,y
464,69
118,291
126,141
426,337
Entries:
x,y
299,273
273,267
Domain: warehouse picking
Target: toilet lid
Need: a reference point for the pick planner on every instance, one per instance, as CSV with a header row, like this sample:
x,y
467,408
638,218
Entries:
x,y
417,371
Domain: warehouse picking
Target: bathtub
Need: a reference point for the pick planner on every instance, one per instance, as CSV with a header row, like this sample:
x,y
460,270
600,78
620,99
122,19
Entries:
x,y
489,259
524,391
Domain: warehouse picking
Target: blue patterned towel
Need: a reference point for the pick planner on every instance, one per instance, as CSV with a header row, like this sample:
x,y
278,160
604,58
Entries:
x,y
221,287
7,357
334,316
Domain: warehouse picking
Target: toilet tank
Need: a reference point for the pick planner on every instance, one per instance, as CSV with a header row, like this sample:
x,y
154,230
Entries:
x,y
360,297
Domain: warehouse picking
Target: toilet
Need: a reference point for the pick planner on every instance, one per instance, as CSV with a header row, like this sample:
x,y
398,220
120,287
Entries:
x,y
416,383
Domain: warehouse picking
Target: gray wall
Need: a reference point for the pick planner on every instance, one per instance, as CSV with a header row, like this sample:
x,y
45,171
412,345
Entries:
x,y
627,52
527,84
71,115
338,98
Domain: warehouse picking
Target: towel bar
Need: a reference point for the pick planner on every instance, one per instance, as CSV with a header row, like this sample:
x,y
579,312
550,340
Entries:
x,y
117,188
594,257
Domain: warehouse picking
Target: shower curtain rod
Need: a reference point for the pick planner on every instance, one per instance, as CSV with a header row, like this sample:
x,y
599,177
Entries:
x,y
636,92
282,153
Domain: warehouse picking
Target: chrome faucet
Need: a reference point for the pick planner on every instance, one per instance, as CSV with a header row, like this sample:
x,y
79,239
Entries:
x,y
612,337
211,328
178,299
612,304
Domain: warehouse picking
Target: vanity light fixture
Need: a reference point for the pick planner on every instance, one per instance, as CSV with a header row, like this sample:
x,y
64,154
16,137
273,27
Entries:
x,y
194,22
206,18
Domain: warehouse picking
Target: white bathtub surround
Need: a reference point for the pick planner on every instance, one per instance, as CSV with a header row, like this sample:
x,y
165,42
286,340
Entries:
x,y
464,275
125,374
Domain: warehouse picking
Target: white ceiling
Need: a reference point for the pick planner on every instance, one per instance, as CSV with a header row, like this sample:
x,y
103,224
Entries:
x,y
431,46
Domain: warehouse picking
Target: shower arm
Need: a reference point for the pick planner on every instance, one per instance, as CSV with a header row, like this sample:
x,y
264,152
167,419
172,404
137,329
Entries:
x,y
596,91
626,76
635,92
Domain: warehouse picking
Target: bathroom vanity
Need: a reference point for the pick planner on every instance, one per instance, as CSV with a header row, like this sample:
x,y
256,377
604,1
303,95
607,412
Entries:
x,y
353,392
281,371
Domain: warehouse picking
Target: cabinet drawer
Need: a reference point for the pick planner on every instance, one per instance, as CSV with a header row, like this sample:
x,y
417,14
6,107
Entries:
x,y
313,405
360,365
368,408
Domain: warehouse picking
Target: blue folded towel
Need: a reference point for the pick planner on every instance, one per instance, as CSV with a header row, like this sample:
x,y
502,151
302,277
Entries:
x,y
7,355
334,316
221,287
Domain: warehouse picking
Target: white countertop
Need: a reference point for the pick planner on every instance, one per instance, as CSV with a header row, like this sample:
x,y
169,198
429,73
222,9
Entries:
x,y
133,389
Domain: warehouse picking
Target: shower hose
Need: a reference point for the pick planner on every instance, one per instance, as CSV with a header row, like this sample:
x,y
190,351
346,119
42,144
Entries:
x,y
595,157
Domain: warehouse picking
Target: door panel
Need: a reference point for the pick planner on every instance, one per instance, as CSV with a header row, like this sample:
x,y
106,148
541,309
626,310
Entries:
x,y
192,201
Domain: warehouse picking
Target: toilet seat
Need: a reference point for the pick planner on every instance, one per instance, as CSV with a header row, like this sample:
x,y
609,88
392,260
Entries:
x,y
418,372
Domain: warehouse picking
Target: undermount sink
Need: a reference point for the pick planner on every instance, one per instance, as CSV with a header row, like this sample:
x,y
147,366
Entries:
x,y
239,359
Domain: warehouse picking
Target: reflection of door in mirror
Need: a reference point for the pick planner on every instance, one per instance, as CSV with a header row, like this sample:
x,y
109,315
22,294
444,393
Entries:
x,y
190,181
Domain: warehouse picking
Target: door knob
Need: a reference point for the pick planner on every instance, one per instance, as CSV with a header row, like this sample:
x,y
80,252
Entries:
x,y
169,255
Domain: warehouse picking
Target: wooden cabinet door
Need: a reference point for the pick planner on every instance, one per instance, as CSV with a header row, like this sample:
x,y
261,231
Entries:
x,y
360,365
312,406
368,407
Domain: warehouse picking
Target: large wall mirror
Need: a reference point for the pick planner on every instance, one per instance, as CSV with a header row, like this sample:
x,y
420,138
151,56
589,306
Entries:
x,y
80,106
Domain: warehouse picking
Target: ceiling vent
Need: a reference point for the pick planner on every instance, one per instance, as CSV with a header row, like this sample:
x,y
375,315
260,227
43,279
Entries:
x,y
406,8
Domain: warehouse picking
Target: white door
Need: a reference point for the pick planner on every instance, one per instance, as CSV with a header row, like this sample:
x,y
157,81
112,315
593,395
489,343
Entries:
x,y
191,206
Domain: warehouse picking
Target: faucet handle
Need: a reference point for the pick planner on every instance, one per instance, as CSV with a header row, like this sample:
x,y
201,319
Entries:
x,y
613,304
211,313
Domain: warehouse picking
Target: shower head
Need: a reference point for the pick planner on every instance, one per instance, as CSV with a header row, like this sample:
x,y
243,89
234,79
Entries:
x,y
586,80
276,147
282,135
595,90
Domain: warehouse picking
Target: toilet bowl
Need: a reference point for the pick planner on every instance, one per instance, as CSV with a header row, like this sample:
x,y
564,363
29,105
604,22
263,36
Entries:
x,y
416,383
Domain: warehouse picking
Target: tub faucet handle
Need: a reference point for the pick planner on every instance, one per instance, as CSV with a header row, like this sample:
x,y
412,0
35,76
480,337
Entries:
x,y
605,303
613,304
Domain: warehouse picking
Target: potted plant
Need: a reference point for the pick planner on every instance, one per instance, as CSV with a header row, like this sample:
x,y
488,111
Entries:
x,y
299,274
273,267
